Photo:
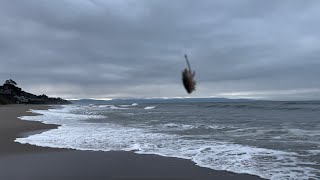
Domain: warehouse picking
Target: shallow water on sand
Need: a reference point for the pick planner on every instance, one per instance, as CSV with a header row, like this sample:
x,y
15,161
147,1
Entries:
x,y
274,140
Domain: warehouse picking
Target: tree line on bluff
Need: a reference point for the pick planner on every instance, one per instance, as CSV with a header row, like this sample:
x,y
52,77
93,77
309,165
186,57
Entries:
x,y
10,93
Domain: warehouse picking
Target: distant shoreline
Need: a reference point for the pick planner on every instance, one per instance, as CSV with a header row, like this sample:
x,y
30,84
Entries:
x,y
23,161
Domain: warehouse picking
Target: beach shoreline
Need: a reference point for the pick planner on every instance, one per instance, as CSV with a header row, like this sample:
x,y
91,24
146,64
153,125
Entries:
x,y
11,127
24,161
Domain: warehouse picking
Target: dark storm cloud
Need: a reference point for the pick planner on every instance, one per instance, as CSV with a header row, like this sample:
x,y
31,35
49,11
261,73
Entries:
x,y
99,49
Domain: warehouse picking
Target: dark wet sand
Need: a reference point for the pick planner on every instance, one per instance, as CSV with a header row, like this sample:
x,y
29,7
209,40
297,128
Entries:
x,y
28,162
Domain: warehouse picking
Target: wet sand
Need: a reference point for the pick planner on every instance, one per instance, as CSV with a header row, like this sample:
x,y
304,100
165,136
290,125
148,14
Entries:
x,y
28,162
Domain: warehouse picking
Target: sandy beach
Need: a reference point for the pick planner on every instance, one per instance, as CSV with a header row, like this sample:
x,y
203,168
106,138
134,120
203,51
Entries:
x,y
20,161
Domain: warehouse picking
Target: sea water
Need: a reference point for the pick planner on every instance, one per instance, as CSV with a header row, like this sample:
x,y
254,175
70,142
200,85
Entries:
x,y
273,140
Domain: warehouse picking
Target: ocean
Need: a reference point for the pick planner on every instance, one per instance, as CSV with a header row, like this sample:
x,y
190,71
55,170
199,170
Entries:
x,y
273,140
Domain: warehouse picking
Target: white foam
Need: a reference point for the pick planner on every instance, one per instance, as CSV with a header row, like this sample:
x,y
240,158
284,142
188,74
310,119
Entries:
x,y
133,104
75,134
59,116
115,107
112,106
314,152
302,132
213,127
124,105
150,107
177,126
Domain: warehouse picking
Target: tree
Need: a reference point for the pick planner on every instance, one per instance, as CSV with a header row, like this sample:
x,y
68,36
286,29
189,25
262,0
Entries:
x,y
11,82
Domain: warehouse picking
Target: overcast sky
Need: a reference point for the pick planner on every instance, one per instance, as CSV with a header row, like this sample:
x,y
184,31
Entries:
x,y
134,48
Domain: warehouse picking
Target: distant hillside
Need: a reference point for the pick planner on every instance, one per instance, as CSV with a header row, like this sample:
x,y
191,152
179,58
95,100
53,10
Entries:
x,y
159,100
11,94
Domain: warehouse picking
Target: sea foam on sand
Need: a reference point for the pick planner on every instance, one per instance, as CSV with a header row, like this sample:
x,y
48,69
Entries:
x,y
76,132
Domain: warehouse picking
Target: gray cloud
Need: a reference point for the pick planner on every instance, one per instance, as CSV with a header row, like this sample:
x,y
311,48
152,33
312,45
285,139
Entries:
x,y
99,49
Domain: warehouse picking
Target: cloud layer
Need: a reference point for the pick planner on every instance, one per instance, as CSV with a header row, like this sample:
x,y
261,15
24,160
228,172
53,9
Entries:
x,y
128,48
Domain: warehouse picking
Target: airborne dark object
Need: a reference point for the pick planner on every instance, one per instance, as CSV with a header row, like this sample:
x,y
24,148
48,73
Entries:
x,y
187,78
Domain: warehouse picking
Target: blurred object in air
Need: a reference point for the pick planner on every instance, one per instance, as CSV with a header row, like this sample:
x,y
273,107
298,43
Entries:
x,y
188,78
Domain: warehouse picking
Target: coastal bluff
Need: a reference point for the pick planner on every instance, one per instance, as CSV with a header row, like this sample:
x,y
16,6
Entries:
x,y
10,93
